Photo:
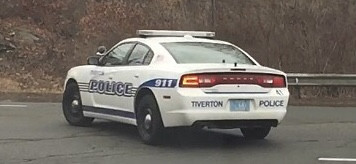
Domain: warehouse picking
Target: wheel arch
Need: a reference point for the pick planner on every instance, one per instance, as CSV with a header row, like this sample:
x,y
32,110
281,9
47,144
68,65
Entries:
x,y
70,80
140,94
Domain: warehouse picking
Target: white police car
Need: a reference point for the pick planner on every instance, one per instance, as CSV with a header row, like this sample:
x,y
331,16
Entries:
x,y
173,79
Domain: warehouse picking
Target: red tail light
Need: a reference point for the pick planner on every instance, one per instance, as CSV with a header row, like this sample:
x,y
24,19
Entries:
x,y
271,81
190,81
210,80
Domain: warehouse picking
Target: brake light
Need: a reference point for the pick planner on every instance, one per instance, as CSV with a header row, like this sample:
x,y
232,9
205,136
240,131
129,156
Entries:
x,y
207,80
279,82
210,80
196,81
270,81
190,81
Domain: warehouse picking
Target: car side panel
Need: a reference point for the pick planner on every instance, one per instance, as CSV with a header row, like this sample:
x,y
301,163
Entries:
x,y
82,75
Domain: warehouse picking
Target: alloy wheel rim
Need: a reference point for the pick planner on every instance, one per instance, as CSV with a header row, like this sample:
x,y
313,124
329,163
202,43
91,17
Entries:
x,y
147,122
75,105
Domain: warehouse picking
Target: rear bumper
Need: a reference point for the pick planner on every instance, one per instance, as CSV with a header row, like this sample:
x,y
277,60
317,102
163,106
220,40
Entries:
x,y
231,119
188,107
230,124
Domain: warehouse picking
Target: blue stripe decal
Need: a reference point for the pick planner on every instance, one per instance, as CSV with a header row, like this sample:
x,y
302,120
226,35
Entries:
x,y
109,111
160,83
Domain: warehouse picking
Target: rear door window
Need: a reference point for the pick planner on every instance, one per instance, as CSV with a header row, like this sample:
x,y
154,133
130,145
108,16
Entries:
x,y
138,55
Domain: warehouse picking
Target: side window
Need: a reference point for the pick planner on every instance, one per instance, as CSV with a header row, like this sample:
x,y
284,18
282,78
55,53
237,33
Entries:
x,y
148,58
118,54
138,55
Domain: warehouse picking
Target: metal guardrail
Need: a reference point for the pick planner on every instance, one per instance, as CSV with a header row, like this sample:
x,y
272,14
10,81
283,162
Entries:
x,y
300,79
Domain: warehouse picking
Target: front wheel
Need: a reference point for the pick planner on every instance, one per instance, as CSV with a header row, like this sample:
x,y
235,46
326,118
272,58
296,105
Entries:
x,y
149,122
72,107
255,133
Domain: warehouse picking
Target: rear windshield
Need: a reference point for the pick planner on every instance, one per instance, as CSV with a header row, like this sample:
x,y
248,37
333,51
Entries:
x,y
200,52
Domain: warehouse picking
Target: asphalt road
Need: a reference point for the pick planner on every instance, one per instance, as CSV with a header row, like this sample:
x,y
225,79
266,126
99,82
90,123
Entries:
x,y
38,133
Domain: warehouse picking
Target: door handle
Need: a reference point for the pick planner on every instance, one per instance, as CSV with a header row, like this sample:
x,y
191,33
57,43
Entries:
x,y
110,78
136,76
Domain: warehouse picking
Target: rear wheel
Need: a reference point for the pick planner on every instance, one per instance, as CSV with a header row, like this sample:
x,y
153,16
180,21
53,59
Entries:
x,y
72,107
255,133
149,122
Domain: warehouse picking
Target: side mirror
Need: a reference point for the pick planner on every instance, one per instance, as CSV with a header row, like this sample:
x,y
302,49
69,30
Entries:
x,y
101,50
93,60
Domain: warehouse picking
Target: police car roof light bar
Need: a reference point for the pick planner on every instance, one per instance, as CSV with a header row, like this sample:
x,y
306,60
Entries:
x,y
170,33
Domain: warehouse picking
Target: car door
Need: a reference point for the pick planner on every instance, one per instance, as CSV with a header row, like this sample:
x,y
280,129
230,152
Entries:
x,y
108,90
129,75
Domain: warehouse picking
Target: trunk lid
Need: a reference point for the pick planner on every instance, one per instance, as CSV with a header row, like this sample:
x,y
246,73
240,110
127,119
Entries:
x,y
226,78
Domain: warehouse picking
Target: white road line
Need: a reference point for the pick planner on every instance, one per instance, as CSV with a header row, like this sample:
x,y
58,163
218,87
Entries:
x,y
15,106
338,159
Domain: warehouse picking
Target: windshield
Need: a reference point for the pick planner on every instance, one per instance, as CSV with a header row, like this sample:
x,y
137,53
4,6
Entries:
x,y
200,52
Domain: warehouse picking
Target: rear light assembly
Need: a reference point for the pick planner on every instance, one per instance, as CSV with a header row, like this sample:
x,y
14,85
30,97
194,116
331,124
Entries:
x,y
210,80
190,81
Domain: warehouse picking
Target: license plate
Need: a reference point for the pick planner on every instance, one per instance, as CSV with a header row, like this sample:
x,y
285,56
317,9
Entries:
x,y
239,105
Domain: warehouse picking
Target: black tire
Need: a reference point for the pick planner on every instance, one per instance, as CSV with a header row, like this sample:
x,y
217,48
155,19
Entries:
x,y
74,113
152,131
255,133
